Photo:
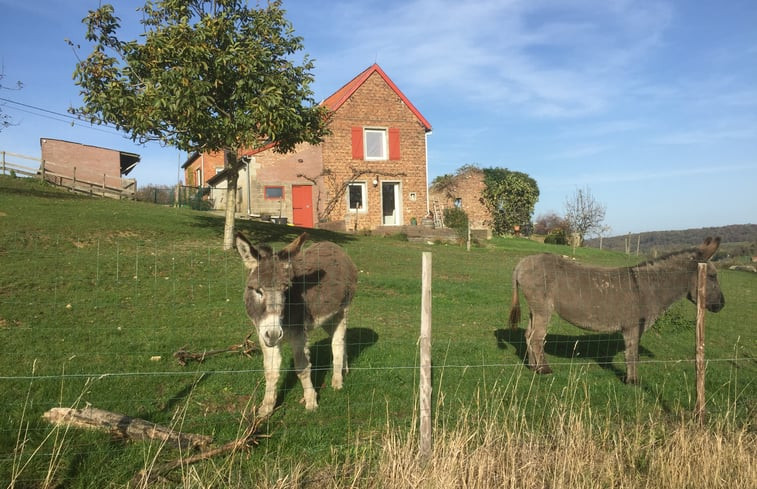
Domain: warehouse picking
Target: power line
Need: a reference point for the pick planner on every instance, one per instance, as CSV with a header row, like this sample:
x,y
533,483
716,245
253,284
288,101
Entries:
x,y
71,118
94,128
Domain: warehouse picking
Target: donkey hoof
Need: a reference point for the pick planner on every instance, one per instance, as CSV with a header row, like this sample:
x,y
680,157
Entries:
x,y
336,384
310,403
632,381
543,369
264,411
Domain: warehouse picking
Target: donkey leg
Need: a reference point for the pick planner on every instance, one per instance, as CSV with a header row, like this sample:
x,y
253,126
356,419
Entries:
x,y
272,368
301,355
535,337
631,337
338,351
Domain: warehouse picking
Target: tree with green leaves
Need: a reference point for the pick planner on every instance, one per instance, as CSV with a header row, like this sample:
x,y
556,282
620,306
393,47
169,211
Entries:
x,y
205,76
510,197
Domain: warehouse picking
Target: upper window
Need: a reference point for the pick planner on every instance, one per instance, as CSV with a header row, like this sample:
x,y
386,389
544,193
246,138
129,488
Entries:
x,y
274,192
375,144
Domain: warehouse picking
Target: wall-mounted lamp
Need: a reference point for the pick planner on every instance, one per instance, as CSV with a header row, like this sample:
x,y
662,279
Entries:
x,y
375,181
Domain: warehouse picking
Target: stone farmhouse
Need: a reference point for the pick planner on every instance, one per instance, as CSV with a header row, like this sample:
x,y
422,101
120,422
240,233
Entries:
x,y
464,190
371,171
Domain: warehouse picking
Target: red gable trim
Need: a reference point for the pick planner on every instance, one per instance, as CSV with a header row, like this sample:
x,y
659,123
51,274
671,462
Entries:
x,y
338,98
255,151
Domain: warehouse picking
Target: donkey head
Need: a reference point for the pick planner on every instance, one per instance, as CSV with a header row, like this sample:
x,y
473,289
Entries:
x,y
269,278
714,299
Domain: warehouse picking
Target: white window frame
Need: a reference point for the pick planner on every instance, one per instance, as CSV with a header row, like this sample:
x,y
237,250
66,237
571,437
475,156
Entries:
x,y
382,131
364,197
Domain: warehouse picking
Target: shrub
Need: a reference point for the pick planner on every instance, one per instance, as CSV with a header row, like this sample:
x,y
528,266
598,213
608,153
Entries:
x,y
457,219
556,236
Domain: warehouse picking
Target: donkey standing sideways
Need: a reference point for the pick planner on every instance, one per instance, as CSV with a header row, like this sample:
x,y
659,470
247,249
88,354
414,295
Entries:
x,y
289,293
628,300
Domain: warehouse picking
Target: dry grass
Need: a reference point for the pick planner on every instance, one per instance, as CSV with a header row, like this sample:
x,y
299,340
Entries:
x,y
495,446
574,456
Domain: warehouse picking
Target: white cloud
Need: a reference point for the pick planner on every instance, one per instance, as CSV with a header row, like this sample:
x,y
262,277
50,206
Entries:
x,y
546,59
658,175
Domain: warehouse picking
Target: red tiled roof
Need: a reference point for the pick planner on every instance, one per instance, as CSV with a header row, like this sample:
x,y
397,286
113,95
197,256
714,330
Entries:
x,y
334,101
339,97
250,152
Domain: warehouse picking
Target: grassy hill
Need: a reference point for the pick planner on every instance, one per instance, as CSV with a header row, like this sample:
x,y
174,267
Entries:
x,y
96,296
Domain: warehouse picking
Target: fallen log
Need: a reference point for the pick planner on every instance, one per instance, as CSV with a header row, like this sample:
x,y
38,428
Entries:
x,y
124,426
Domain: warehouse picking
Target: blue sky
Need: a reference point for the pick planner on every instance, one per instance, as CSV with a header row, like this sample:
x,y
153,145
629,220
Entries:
x,y
652,105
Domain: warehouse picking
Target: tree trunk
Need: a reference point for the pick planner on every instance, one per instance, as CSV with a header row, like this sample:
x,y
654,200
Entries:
x,y
232,167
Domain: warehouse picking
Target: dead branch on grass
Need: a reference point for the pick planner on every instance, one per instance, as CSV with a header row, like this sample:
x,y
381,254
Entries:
x,y
246,348
148,476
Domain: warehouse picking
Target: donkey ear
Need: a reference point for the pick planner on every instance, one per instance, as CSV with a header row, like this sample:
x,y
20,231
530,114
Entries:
x,y
708,248
294,247
248,252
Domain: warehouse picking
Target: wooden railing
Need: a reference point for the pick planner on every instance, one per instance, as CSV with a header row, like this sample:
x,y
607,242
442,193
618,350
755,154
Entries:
x,y
9,165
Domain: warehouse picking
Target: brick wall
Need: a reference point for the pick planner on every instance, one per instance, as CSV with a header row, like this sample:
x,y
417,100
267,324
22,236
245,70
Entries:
x,y
268,168
375,104
210,163
87,163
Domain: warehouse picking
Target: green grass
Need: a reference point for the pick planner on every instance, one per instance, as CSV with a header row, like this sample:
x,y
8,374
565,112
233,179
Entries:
x,y
93,291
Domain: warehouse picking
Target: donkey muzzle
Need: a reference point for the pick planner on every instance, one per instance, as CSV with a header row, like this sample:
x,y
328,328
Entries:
x,y
717,306
271,337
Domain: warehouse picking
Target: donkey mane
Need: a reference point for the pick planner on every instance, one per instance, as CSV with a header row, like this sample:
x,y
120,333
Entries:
x,y
666,257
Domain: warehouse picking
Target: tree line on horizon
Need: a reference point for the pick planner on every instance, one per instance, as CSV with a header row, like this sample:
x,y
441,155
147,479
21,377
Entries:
x,y
738,240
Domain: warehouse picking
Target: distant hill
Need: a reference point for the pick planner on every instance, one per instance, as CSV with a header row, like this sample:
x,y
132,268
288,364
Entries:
x,y
737,239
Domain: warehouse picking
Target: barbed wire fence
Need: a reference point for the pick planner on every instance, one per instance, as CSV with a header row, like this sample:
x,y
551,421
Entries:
x,y
105,329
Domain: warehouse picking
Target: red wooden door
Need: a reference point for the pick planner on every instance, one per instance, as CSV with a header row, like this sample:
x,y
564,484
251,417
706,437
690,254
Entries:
x,y
302,205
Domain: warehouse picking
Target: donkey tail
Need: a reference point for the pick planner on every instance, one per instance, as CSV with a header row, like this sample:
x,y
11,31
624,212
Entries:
x,y
515,307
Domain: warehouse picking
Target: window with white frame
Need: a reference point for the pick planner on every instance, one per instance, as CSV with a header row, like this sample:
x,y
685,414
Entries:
x,y
356,196
375,144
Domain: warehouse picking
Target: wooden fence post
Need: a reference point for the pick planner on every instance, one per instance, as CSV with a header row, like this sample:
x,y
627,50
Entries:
x,y
699,354
3,162
467,246
425,358
43,170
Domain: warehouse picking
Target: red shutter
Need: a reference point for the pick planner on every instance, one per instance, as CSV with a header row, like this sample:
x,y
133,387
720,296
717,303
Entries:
x,y
394,143
357,143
